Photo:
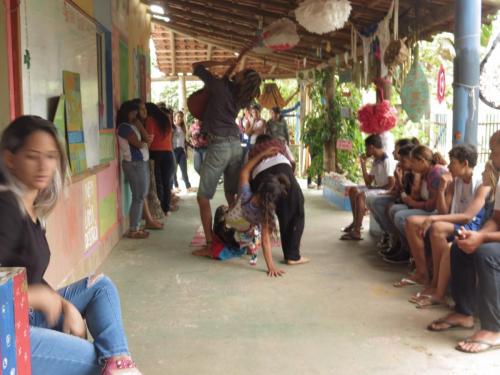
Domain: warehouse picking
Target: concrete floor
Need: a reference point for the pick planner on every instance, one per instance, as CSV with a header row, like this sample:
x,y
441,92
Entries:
x,y
337,315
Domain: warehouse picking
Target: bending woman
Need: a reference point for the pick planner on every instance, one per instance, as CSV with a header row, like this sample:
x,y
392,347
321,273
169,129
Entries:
x,y
237,229
35,169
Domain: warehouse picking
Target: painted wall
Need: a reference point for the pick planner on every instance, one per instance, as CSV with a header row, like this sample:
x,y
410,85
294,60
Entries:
x,y
4,78
91,218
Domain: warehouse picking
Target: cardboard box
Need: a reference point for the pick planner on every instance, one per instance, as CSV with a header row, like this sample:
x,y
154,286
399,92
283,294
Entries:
x,y
14,323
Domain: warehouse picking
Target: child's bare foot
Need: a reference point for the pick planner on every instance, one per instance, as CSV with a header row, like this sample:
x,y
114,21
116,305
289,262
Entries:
x,y
203,252
302,260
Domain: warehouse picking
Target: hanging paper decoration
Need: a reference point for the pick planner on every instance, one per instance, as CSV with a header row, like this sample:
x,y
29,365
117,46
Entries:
x,y
396,54
441,84
415,97
323,16
280,35
490,76
377,118
271,96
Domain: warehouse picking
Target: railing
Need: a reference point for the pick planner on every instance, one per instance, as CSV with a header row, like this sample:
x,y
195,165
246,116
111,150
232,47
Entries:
x,y
486,126
440,137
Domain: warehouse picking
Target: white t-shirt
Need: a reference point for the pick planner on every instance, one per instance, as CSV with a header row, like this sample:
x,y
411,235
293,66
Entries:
x,y
463,193
257,127
382,170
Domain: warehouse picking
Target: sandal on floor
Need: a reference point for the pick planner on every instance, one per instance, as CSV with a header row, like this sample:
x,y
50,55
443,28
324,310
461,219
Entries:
x,y
417,297
488,346
157,226
449,327
350,236
138,234
428,302
404,282
347,229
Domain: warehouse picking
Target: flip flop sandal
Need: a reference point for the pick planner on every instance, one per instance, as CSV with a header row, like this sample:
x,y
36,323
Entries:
x,y
350,237
429,302
347,229
489,346
451,326
139,234
154,227
404,282
417,297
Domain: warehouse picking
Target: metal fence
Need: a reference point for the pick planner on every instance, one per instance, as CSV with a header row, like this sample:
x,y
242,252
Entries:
x,y
486,126
441,133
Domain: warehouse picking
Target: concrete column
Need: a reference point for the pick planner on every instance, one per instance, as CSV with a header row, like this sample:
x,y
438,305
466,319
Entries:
x,y
182,93
466,71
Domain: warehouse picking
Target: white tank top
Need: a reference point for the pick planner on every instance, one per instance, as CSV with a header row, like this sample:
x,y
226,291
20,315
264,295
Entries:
x,y
463,194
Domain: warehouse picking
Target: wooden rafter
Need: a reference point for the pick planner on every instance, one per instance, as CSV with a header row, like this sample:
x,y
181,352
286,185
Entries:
x,y
216,29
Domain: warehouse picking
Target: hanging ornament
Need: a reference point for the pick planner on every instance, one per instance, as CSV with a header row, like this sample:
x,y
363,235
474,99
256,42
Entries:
x,y
415,97
271,96
380,117
441,84
280,35
323,16
490,76
328,47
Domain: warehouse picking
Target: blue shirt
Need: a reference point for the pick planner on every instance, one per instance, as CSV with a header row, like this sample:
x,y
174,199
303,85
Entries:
x,y
128,151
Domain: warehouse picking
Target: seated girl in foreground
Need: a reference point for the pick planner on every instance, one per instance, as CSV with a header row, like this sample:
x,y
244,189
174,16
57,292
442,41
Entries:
x,y
32,183
236,229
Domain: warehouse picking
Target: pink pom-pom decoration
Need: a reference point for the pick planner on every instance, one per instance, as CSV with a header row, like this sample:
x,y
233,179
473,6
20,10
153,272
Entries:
x,y
377,118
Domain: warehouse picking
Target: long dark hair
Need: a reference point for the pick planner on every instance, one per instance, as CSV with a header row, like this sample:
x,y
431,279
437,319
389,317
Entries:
x,y
126,107
248,89
159,116
13,139
271,188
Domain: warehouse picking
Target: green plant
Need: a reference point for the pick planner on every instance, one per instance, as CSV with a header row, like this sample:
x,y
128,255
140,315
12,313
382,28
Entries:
x,y
324,125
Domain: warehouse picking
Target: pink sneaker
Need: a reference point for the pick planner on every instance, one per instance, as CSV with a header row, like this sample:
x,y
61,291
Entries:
x,y
120,366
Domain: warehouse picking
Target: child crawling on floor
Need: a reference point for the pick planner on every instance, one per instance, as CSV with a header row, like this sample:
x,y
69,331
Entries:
x,y
240,229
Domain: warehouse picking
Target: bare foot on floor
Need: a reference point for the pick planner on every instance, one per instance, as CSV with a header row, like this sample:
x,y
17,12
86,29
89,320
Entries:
x,y
450,321
302,260
479,342
203,252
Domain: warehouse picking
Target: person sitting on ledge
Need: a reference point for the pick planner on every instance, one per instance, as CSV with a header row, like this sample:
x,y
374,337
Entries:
x,y
34,173
378,181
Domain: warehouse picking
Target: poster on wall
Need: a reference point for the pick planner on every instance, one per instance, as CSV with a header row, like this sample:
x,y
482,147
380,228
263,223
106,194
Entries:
x,y
90,213
59,119
74,122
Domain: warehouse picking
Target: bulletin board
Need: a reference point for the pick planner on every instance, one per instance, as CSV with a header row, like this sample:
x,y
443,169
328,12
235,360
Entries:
x,y
57,37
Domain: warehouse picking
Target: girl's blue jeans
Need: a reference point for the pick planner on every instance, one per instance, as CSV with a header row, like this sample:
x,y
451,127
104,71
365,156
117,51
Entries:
x,y
56,353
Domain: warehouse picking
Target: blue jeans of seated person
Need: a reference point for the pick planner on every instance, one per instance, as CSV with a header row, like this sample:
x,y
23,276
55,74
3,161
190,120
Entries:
x,y
379,207
475,283
400,216
137,174
57,353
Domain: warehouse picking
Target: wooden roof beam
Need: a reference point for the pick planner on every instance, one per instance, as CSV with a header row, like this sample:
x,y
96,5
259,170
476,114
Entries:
x,y
172,51
221,42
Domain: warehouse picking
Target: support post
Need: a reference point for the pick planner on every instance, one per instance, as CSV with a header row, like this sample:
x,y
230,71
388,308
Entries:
x,y
302,119
182,93
330,147
466,71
